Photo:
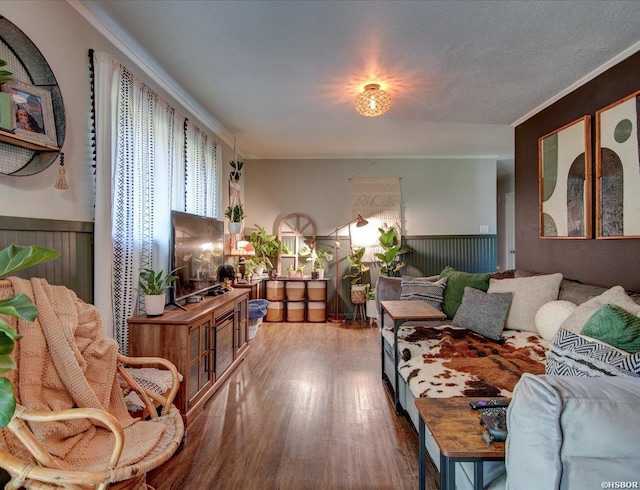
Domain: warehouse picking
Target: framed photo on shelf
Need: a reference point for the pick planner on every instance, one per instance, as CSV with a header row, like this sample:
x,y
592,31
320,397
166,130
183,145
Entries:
x,y
31,112
564,181
618,169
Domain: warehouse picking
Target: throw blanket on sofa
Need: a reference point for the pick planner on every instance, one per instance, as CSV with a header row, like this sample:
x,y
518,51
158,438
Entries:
x,y
64,361
445,361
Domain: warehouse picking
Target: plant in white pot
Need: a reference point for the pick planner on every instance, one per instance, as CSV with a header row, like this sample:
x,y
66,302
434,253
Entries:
x,y
266,248
371,308
154,285
318,258
235,215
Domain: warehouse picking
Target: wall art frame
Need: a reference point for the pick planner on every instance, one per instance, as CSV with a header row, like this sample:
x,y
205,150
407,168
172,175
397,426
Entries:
x,y
31,112
618,169
564,181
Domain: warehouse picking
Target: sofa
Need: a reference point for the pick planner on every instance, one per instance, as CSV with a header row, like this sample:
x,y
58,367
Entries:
x,y
533,345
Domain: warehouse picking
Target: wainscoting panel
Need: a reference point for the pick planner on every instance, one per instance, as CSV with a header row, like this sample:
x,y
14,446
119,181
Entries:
x,y
468,253
74,241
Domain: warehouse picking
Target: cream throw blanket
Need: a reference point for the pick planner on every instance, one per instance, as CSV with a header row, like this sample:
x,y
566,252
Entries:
x,y
65,361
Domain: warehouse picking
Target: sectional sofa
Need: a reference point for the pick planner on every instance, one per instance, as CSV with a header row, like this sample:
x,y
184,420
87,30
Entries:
x,y
484,348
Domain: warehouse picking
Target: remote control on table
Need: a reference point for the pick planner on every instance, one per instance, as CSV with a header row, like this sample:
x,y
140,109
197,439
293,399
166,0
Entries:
x,y
495,421
489,403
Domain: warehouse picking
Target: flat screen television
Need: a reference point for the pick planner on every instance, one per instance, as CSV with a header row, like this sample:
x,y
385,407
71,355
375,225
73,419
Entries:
x,y
197,251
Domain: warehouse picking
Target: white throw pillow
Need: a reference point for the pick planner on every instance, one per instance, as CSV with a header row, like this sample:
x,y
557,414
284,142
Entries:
x,y
551,315
529,294
614,296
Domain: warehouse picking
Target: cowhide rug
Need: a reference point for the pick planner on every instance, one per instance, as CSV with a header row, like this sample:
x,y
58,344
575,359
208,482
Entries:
x,y
446,361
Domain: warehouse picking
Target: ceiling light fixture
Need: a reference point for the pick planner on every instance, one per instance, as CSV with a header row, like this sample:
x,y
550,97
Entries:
x,y
373,101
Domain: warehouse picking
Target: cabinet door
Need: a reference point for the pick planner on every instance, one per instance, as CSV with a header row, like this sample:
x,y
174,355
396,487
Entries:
x,y
200,362
241,324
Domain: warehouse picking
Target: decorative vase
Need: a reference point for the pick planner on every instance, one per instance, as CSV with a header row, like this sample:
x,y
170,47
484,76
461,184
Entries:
x,y
315,275
154,304
235,227
357,294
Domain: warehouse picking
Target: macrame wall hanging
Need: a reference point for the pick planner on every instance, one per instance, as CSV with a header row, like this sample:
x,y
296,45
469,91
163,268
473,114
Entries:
x,y
379,201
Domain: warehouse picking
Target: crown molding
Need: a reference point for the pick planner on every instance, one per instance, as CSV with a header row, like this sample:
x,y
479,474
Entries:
x,y
136,53
587,78
377,157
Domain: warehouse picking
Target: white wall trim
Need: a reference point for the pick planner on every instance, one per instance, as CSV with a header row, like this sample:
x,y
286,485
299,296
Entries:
x,y
590,76
132,49
377,157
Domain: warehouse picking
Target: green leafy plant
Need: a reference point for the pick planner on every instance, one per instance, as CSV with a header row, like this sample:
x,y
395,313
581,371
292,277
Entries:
x,y
319,257
235,213
358,268
237,166
286,249
266,246
389,259
152,282
13,259
369,292
5,75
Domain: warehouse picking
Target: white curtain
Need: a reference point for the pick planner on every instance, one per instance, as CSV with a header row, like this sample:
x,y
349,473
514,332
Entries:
x,y
141,175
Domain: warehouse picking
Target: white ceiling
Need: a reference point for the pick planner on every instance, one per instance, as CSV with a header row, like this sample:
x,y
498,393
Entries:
x,y
283,75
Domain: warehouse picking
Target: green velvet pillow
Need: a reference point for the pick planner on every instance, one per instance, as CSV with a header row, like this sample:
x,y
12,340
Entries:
x,y
615,326
456,283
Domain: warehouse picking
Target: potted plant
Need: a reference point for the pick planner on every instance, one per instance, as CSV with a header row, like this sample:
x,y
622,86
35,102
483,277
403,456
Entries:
x,y
318,259
153,285
389,259
356,276
235,215
266,247
371,308
13,259
237,166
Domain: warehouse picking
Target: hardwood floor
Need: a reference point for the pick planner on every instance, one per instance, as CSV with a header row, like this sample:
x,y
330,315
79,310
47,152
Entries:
x,y
305,410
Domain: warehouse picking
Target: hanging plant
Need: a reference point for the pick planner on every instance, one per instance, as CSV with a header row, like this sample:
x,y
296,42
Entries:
x,y
237,166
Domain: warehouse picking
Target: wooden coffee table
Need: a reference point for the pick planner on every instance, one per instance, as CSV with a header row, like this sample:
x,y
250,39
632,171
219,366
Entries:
x,y
456,428
400,312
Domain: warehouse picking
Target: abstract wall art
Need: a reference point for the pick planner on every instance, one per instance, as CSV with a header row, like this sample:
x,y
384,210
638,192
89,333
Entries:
x,y
618,169
565,181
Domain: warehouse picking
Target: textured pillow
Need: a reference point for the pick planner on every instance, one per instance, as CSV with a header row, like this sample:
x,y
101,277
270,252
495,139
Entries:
x,y
456,283
421,289
615,326
529,294
574,355
483,313
614,296
551,315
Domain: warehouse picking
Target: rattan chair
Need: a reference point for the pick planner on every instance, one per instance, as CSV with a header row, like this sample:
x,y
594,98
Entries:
x,y
36,467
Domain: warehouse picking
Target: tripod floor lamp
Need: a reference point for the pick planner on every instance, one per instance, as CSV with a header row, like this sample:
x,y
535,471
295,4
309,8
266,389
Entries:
x,y
360,222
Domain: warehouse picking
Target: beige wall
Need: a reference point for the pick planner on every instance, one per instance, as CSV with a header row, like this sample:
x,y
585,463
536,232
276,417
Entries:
x,y
440,197
64,37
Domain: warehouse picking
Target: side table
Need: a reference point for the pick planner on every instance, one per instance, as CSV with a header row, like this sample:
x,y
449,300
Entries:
x,y
400,312
456,429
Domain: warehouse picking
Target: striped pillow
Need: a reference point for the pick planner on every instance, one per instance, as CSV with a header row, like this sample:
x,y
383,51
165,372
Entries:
x,y
575,355
418,288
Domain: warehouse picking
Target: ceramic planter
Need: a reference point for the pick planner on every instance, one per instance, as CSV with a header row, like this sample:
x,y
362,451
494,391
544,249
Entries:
x,y
372,311
154,304
235,227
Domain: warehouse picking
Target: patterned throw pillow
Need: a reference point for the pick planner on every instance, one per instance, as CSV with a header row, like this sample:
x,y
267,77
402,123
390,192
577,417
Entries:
x,y
455,287
483,313
416,288
616,326
574,355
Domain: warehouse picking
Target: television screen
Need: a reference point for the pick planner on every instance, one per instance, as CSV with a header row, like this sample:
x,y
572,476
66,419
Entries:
x,y
197,252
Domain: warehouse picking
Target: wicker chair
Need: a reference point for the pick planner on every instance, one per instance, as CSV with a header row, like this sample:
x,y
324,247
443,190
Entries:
x,y
34,466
